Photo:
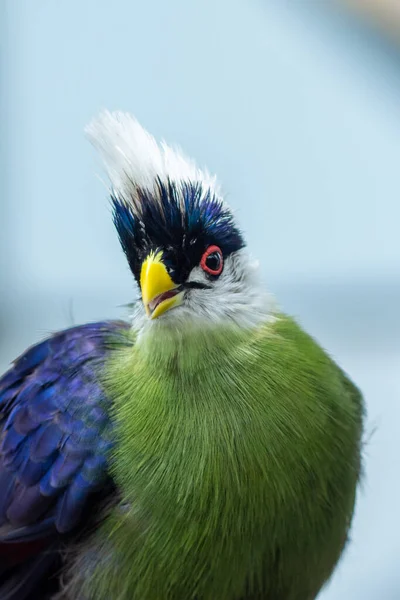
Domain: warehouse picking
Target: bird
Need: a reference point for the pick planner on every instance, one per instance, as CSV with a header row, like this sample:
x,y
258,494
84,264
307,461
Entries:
x,y
205,448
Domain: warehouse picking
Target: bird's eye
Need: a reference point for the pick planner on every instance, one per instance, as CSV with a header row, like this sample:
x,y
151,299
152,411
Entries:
x,y
212,261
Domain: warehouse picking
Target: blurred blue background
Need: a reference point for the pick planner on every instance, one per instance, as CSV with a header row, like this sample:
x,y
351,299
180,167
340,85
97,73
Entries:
x,y
296,107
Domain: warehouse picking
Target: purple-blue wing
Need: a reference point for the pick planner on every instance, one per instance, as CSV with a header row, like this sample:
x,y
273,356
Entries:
x,y
56,431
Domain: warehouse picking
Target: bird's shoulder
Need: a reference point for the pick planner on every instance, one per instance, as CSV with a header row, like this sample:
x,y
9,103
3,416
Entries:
x,y
56,430
284,342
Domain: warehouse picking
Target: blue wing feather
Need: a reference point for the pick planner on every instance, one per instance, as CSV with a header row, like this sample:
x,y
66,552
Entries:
x,y
55,427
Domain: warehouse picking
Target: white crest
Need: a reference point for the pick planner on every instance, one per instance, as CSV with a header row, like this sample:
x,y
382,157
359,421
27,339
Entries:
x,y
133,158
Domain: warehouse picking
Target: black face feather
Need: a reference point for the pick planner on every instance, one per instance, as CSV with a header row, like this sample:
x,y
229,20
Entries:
x,y
181,220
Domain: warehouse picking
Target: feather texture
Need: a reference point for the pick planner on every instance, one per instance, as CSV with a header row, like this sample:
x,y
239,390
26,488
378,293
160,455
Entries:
x,y
133,159
56,431
238,456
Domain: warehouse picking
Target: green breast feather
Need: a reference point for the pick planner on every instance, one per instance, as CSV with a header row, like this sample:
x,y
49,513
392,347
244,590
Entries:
x,y
237,458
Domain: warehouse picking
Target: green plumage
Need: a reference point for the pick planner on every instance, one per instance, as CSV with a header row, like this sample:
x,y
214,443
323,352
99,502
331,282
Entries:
x,y
238,456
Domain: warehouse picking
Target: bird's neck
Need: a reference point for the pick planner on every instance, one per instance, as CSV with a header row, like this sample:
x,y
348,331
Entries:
x,y
189,349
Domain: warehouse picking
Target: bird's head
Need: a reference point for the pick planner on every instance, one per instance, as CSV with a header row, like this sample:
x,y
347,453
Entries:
x,y
180,238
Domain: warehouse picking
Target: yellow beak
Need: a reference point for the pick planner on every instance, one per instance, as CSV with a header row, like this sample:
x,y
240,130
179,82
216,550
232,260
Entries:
x,y
159,292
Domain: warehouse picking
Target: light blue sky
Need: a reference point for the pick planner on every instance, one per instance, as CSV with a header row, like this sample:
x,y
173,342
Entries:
x,y
296,109
299,119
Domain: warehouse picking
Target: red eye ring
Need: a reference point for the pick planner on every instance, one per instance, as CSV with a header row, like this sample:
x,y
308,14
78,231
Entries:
x,y
207,254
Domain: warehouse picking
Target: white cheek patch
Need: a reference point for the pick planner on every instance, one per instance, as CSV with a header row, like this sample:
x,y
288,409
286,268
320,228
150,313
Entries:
x,y
197,275
235,297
